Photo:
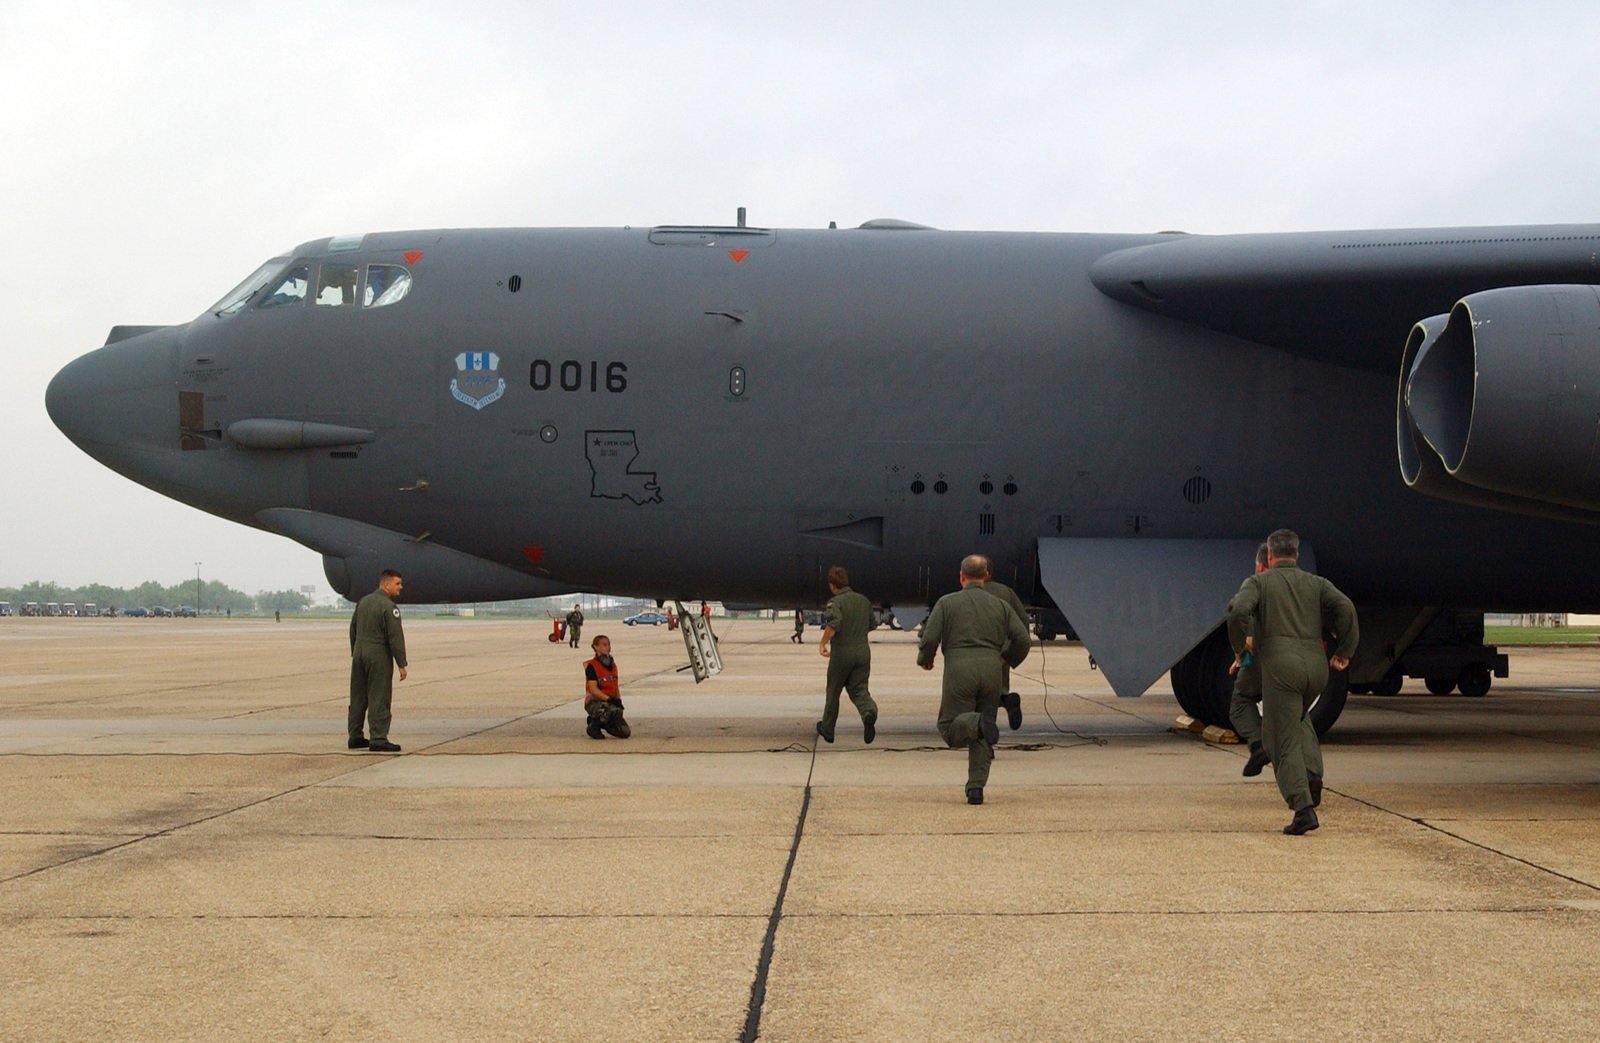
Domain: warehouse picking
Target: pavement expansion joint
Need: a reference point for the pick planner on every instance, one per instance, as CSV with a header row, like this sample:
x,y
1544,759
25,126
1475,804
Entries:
x,y
1431,826
758,987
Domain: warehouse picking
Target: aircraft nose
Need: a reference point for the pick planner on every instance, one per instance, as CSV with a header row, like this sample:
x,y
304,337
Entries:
x,y
119,399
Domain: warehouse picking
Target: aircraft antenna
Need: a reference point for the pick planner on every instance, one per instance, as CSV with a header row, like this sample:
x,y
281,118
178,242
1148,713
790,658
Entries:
x,y
741,217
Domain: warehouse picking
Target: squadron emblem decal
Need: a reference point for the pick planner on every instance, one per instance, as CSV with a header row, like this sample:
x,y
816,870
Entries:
x,y
477,381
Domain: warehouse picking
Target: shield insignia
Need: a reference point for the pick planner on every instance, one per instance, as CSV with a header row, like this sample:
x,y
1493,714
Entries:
x,y
477,381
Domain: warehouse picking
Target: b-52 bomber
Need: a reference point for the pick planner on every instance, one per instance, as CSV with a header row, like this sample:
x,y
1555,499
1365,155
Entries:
x,y
722,412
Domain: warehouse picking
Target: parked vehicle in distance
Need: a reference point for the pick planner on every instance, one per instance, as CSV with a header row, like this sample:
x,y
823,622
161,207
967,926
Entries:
x,y
89,609
30,608
136,612
160,610
51,608
651,618
5,608
187,612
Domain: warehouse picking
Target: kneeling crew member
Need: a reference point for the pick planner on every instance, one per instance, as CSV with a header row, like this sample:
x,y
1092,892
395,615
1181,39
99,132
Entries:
x,y
602,695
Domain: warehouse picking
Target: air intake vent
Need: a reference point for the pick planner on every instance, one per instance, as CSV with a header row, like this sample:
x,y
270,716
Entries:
x,y
1197,490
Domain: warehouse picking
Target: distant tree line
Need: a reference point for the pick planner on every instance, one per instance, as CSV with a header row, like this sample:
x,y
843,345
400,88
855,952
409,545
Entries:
x,y
214,597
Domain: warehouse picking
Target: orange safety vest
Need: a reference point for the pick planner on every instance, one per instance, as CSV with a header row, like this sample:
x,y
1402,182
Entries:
x,y
606,680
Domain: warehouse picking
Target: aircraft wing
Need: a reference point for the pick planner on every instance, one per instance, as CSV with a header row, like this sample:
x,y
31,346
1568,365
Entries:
x,y
1348,298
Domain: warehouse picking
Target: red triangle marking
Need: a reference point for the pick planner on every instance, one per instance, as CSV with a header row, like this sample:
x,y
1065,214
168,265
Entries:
x,y
738,255
412,256
533,553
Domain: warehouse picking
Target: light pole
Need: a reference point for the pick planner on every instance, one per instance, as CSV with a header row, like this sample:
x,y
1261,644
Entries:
x,y
197,590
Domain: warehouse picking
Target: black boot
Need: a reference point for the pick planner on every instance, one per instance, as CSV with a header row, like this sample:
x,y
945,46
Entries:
x,y
974,794
827,736
1305,820
1013,704
869,728
1259,758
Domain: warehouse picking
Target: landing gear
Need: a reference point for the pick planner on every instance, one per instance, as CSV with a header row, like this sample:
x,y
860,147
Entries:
x,y
1474,680
1390,685
1203,687
1442,647
1201,682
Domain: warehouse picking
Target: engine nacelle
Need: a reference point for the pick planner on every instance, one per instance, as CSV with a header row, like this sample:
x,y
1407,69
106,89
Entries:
x,y
1499,402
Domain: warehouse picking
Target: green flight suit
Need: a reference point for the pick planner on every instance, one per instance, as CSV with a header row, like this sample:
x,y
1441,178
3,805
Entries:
x,y
1286,610
979,633
1244,705
1009,596
849,657
377,646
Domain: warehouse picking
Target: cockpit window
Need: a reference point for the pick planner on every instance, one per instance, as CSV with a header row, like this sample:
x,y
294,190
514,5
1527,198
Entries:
x,y
337,284
240,295
386,284
292,289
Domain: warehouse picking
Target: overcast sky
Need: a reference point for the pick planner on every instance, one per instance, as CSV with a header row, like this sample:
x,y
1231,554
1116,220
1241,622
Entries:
x,y
153,154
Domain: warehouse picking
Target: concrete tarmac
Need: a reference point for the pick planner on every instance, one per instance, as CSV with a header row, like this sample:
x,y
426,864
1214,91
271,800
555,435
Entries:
x,y
187,851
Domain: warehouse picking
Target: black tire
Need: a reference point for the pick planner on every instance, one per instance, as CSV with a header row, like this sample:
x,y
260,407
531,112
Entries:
x,y
1330,704
1440,685
1475,680
1201,682
1390,685
1360,689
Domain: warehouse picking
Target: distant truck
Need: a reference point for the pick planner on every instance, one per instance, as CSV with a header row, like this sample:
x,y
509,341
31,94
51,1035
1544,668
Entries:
x,y
90,609
52,608
30,608
5,608
69,608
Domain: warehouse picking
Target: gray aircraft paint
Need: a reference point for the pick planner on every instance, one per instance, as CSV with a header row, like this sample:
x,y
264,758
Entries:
x,y
722,413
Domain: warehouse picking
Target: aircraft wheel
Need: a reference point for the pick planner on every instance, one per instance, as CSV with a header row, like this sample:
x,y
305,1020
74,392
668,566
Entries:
x,y
1441,685
1201,682
1475,680
1360,689
1330,704
1182,688
1390,685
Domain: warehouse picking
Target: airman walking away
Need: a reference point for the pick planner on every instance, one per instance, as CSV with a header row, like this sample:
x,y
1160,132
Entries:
x,y
844,646
978,633
377,646
1009,699
574,626
1244,705
1280,616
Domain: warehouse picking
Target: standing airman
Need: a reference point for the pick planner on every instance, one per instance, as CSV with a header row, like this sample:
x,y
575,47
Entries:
x,y
1279,616
377,645
844,646
978,632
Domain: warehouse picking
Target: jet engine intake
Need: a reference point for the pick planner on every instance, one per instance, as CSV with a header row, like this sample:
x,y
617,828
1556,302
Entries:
x,y
1499,402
